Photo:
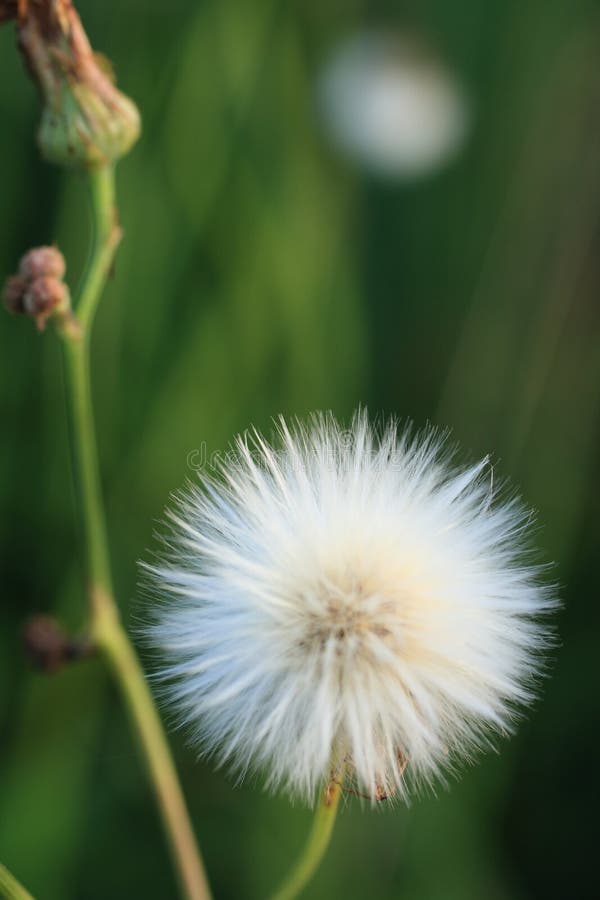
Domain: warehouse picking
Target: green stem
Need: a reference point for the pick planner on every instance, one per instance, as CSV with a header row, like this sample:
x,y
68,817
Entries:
x,y
84,439
318,841
112,639
10,888
106,234
106,628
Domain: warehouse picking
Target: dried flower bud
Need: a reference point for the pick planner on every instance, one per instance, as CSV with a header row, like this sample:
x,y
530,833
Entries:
x,y
13,294
45,643
86,121
44,296
39,292
48,647
40,261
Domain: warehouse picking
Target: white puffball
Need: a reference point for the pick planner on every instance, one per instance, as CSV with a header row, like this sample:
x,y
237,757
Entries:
x,y
390,107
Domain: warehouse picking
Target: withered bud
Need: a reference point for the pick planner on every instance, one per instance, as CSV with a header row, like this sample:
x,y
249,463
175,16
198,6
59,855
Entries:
x,y
86,121
14,293
48,647
39,292
40,261
44,296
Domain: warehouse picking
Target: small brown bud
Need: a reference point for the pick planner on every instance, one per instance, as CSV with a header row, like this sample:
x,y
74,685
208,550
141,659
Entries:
x,y
48,647
42,297
39,292
41,261
44,643
14,293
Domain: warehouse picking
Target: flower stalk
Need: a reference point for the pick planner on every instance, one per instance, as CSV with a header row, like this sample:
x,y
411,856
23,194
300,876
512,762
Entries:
x,y
10,888
88,124
105,238
106,629
317,844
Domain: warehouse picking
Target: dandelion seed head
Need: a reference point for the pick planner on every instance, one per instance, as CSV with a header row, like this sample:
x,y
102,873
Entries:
x,y
348,598
391,105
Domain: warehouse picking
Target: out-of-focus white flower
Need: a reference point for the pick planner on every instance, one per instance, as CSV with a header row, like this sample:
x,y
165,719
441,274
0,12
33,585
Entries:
x,y
348,599
391,107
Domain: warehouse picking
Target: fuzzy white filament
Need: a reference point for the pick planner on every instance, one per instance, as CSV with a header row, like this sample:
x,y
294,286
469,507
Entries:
x,y
348,598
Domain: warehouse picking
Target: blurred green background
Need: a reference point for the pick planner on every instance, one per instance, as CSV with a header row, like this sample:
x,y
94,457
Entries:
x,y
261,274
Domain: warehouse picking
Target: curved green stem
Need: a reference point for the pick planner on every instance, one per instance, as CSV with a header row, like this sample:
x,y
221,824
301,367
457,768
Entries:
x,y
106,234
106,629
84,448
10,888
318,841
110,636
